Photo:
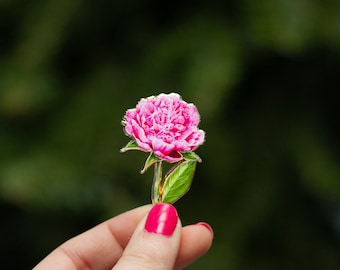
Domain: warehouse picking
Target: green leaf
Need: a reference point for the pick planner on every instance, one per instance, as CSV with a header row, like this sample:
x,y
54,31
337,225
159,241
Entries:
x,y
178,181
191,156
132,145
151,160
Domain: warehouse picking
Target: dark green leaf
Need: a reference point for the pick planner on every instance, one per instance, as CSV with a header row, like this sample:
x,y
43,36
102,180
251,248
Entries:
x,y
152,159
132,145
191,156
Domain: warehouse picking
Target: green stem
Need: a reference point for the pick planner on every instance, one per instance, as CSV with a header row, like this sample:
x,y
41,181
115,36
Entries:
x,y
156,195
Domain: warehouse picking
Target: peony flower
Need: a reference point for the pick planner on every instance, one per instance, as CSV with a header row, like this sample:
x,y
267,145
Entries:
x,y
167,128
165,125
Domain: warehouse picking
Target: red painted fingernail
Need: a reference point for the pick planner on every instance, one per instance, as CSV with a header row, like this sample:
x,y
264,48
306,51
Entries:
x,y
206,225
162,219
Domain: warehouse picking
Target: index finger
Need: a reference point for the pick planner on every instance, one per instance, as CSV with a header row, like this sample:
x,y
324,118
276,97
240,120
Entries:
x,y
98,248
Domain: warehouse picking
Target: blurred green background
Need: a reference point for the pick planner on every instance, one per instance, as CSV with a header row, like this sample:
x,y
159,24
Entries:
x,y
265,77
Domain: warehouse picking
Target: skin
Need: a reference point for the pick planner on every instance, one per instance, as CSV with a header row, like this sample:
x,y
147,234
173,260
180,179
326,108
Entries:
x,y
122,243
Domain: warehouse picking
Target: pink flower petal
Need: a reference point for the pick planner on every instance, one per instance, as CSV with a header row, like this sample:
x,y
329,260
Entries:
x,y
161,146
166,125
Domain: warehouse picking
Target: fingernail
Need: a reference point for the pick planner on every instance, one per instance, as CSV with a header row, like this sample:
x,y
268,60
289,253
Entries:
x,y
162,219
206,225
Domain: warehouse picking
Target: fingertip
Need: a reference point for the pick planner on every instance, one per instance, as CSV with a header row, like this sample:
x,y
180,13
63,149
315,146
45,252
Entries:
x,y
196,241
162,219
155,242
207,226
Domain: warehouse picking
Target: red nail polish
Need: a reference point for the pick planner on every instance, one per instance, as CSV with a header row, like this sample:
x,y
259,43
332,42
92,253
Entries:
x,y
162,219
206,225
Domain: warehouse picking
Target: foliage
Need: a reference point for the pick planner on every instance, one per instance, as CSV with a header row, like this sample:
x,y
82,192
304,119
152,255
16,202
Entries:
x,y
264,75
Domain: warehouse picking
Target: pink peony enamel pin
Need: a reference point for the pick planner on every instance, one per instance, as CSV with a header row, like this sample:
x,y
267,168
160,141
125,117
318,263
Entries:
x,y
166,127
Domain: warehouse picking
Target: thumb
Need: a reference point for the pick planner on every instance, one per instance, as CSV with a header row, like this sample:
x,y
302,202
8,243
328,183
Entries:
x,y
155,242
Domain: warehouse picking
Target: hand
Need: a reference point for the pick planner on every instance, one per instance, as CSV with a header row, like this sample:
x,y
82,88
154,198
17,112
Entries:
x,y
148,237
